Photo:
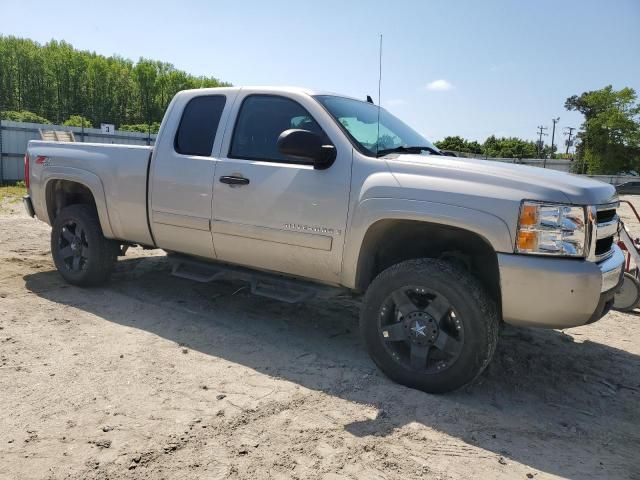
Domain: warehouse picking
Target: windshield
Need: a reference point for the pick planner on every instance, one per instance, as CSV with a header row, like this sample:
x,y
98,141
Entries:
x,y
360,120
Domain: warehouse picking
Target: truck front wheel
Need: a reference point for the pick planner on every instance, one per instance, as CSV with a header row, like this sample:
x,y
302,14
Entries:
x,y
429,325
80,252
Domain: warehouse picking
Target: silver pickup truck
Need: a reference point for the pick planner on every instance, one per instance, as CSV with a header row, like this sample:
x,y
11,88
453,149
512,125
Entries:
x,y
304,193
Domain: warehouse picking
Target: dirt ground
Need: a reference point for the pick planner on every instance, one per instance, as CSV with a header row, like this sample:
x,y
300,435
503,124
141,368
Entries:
x,y
157,377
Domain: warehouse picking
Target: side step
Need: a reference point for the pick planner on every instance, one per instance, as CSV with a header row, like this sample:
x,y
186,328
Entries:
x,y
265,284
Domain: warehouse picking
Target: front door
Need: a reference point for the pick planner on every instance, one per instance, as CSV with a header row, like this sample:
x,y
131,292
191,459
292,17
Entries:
x,y
273,212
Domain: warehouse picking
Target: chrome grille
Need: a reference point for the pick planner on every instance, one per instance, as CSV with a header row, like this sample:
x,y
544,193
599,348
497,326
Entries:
x,y
604,222
603,246
607,215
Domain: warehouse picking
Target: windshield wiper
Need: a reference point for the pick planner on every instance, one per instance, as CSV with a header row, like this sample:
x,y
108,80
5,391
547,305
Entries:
x,y
387,151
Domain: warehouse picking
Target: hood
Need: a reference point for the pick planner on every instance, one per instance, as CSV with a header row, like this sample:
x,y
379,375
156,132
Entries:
x,y
484,180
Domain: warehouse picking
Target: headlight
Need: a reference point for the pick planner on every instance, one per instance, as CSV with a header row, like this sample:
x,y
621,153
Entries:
x,y
551,229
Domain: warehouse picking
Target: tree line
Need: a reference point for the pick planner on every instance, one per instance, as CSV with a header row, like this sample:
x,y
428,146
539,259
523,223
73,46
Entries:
x,y
493,147
56,83
608,141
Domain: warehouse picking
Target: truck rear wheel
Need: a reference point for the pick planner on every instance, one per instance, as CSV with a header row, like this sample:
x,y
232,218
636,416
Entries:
x,y
429,325
80,252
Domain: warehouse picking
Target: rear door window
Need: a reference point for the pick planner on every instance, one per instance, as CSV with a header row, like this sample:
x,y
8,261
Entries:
x,y
198,125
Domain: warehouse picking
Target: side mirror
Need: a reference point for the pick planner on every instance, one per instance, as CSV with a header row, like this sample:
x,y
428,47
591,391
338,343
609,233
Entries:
x,y
306,145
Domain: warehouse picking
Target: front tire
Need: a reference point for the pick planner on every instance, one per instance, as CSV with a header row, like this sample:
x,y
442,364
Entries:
x,y
429,325
80,252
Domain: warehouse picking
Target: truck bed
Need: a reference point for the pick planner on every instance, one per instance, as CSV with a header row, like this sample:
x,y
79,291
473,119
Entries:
x,y
120,171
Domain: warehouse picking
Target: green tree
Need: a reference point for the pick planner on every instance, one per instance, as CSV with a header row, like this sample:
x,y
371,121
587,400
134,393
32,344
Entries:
x,y
610,135
146,78
23,116
142,127
56,81
508,147
494,147
459,144
77,121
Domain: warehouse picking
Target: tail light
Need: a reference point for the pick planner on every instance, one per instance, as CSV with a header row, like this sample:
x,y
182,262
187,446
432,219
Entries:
x,y
26,170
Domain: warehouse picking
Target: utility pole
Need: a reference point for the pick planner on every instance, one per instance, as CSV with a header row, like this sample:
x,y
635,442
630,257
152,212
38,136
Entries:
x,y
541,130
570,132
553,136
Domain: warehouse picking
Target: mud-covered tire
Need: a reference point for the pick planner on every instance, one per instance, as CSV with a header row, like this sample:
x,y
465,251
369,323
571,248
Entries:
x,y
81,253
467,333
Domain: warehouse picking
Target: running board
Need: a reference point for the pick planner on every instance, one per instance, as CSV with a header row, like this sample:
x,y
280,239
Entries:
x,y
271,285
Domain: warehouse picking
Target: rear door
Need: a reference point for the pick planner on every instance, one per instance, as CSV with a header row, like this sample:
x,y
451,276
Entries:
x,y
182,175
274,212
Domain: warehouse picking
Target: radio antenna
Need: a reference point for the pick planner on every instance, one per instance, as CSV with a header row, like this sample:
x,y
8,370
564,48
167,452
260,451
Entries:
x,y
379,89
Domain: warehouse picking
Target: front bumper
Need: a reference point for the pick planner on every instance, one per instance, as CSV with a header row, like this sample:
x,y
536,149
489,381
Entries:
x,y
557,292
28,206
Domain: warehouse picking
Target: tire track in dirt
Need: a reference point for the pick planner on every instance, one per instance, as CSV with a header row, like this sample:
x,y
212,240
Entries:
x,y
157,377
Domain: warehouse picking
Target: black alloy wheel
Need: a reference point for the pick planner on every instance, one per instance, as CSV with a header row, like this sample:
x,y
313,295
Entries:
x,y
429,324
421,330
73,246
81,253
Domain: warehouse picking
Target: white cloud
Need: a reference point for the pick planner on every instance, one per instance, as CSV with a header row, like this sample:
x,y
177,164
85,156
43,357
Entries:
x,y
439,85
394,102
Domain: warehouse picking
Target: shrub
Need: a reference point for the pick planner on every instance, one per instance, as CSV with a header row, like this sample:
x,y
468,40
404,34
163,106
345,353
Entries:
x,y
141,127
77,121
23,116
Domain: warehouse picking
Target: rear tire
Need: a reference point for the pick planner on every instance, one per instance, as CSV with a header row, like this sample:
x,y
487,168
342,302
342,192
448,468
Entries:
x,y
429,325
80,252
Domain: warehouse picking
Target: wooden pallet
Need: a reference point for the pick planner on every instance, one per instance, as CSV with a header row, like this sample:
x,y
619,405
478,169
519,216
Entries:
x,y
56,136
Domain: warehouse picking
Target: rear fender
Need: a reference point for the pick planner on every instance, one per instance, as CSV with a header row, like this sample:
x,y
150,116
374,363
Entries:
x,y
83,177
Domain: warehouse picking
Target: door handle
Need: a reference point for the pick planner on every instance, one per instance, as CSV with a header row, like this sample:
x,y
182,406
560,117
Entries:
x,y
233,180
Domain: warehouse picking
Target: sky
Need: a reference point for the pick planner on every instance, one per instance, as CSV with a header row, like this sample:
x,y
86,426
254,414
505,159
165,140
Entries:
x,y
468,68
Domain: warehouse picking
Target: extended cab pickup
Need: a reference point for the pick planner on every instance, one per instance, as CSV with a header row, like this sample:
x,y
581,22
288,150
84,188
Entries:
x,y
299,191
